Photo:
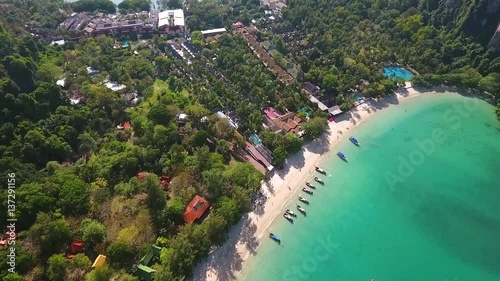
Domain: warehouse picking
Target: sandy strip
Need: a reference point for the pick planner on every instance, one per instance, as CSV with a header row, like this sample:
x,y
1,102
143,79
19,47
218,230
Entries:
x,y
225,262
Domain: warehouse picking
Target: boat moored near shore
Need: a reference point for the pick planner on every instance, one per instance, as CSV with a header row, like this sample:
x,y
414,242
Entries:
x,y
310,185
288,217
342,156
319,180
307,190
302,199
291,213
275,238
302,210
321,171
354,140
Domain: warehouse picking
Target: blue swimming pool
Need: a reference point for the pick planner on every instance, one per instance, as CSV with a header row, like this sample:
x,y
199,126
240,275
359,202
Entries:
x,y
394,72
305,110
254,139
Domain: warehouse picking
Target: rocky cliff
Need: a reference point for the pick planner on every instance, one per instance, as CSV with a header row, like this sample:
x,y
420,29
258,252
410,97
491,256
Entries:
x,y
478,18
495,40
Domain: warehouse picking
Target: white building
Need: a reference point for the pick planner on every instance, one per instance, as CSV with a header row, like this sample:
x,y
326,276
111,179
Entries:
x,y
171,22
213,32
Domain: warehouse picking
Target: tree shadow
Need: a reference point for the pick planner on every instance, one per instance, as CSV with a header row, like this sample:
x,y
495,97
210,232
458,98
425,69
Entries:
x,y
225,260
259,204
248,237
269,185
320,145
296,160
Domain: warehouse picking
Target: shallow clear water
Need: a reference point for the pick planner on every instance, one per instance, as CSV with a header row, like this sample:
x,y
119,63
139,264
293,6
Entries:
x,y
418,200
397,72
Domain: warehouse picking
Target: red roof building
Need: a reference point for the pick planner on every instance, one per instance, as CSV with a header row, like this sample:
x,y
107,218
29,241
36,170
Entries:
x,y
165,181
142,176
78,246
195,209
238,25
124,125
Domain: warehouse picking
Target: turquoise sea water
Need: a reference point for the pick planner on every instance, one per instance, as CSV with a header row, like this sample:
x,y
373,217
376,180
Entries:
x,y
435,218
398,72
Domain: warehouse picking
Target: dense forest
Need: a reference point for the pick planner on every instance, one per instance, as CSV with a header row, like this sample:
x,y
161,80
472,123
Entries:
x,y
77,173
33,16
353,41
103,6
342,45
133,6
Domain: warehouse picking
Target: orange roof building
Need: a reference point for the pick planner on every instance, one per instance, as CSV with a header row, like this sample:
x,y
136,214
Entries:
x,y
289,122
195,209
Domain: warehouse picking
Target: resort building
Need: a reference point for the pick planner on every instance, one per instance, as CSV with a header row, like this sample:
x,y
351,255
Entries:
x,y
99,261
221,115
92,72
257,159
258,156
334,110
273,4
195,209
310,88
237,25
320,104
267,59
75,22
277,122
78,246
140,23
143,271
289,122
190,48
131,98
324,103
213,32
115,86
171,22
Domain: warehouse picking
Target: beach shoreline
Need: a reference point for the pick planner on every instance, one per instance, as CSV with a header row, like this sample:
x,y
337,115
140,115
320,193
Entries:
x,y
226,262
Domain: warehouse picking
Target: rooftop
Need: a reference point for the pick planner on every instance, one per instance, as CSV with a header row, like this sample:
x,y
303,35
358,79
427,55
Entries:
x,y
195,209
171,17
258,156
310,88
334,110
289,122
99,261
114,86
220,114
272,113
321,105
212,31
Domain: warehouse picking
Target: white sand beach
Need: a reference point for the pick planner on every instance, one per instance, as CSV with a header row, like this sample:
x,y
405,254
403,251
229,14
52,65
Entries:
x,y
226,262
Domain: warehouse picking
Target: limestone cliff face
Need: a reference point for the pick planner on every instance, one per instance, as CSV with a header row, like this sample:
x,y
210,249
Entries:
x,y
478,18
495,40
